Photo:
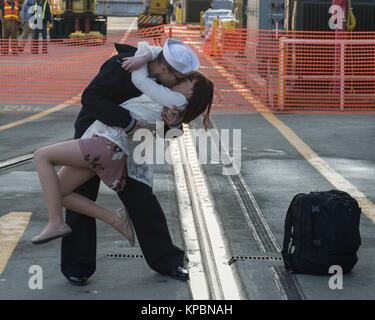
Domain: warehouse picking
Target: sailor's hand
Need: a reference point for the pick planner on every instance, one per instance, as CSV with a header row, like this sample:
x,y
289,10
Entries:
x,y
131,64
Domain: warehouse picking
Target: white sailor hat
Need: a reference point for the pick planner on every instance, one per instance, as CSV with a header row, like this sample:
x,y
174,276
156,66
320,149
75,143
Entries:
x,y
180,56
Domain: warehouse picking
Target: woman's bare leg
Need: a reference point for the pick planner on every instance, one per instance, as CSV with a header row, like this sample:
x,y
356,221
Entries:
x,y
69,180
121,221
58,188
45,159
74,201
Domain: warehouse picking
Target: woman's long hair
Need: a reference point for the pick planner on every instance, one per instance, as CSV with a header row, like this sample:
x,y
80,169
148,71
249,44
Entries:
x,y
201,99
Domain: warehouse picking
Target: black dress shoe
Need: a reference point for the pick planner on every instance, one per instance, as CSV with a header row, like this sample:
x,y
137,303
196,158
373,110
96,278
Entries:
x,y
180,273
78,281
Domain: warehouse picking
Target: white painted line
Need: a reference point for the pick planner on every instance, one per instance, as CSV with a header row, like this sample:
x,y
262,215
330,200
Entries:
x,y
198,282
21,108
223,281
16,160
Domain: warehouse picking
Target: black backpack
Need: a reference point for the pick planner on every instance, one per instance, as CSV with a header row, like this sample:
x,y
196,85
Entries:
x,y
321,230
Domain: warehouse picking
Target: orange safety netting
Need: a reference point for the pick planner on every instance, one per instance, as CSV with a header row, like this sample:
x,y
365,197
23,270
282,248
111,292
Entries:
x,y
52,78
280,71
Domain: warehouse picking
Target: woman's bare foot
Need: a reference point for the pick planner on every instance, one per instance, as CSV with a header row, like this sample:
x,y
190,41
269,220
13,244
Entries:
x,y
123,225
52,231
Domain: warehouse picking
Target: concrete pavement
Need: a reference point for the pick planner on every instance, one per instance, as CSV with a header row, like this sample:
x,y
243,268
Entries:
x,y
274,171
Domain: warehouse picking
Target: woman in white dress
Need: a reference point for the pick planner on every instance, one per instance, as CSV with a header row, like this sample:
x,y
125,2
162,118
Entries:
x,y
104,150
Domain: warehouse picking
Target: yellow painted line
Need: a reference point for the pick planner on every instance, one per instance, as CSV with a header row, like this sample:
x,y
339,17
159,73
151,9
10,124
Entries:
x,y
67,103
337,180
333,177
12,227
41,114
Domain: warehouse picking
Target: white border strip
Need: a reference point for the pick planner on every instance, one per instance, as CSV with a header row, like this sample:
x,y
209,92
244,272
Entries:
x,y
198,281
222,280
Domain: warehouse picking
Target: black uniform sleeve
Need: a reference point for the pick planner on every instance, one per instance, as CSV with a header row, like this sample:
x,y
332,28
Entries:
x,y
99,97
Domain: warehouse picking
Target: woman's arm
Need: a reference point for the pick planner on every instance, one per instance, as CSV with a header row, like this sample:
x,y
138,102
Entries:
x,y
142,56
157,92
145,49
151,88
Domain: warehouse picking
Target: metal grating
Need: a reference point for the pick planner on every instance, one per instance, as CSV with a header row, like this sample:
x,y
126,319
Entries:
x,y
287,282
254,258
123,256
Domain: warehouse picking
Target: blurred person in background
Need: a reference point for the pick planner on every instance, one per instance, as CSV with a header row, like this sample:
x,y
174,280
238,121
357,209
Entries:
x,y
27,12
1,36
9,16
43,13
